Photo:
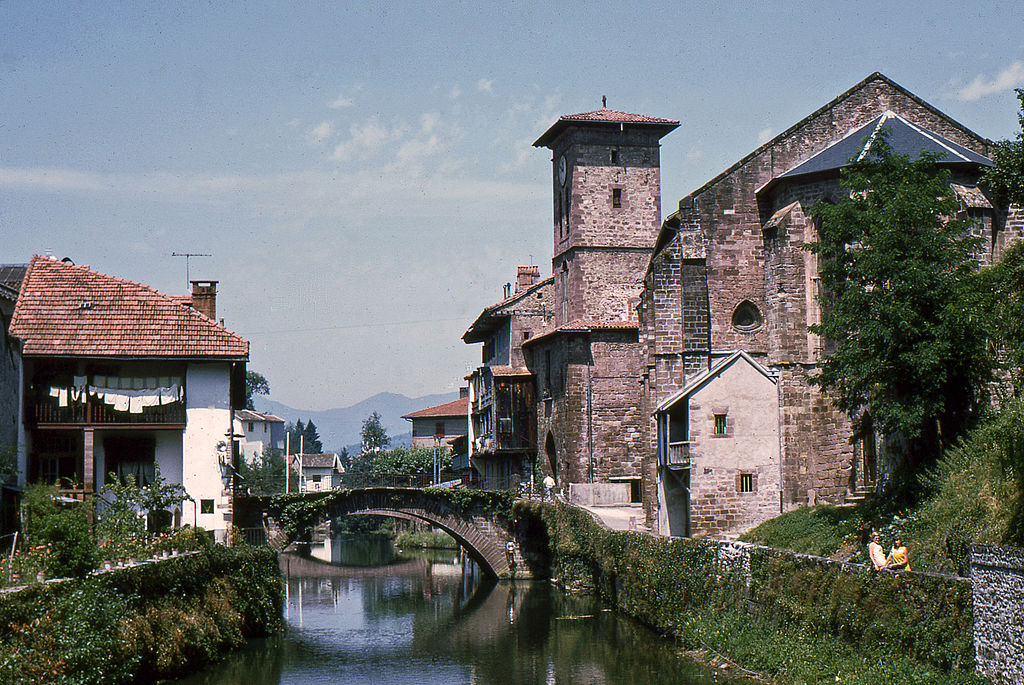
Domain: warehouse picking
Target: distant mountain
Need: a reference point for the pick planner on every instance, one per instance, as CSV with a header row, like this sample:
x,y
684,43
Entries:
x,y
341,427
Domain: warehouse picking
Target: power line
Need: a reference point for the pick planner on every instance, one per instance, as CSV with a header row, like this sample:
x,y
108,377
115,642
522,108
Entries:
x,y
357,325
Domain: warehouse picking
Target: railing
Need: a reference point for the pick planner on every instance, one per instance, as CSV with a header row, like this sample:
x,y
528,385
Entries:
x,y
46,411
678,456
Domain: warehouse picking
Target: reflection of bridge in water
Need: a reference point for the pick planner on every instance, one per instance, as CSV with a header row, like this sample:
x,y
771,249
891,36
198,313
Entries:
x,y
475,519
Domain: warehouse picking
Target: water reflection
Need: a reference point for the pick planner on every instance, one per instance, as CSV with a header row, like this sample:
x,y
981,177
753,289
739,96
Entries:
x,y
429,618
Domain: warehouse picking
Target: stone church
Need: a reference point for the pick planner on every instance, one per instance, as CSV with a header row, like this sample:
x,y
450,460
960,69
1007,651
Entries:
x,y
732,432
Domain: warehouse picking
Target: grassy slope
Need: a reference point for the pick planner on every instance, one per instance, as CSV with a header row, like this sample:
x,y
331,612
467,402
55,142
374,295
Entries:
x,y
971,495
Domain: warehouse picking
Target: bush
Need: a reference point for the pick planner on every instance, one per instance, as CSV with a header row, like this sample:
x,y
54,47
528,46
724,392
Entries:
x,y
73,553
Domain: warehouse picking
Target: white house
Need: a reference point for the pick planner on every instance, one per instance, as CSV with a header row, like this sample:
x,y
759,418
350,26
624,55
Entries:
x,y
317,471
259,432
120,379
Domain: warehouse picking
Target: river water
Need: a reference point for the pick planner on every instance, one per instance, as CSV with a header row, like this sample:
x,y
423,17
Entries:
x,y
429,618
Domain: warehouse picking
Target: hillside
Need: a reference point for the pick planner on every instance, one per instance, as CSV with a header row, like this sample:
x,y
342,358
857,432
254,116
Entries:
x,y
341,427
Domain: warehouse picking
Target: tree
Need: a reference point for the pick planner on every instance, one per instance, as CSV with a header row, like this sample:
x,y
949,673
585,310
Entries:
x,y
374,437
1006,179
265,474
898,287
311,442
255,384
409,460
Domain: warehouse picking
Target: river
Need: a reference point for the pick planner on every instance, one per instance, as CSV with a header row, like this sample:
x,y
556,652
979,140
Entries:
x,y
430,618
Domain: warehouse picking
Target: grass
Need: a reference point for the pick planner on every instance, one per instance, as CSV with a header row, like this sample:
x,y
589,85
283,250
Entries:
x,y
973,494
427,539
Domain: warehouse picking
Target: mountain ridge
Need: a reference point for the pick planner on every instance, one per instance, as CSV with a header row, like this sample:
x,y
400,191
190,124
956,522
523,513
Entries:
x,y
342,427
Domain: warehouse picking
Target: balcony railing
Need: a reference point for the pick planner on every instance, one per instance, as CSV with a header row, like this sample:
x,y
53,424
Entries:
x,y
678,456
46,411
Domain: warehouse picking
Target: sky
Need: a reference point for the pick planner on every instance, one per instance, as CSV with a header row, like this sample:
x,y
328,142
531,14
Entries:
x,y
363,173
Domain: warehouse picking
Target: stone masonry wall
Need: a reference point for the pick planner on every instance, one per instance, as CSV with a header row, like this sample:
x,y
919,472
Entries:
x,y
603,283
997,578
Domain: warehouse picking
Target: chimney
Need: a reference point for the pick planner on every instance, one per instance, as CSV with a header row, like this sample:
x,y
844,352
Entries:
x,y
463,392
204,298
526,276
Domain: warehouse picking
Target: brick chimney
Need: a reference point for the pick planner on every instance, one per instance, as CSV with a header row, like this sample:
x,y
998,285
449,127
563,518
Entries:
x,y
526,276
204,298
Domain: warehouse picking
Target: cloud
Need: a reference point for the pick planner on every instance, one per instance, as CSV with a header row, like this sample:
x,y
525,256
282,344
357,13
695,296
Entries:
x,y
320,133
365,140
764,135
1010,77
485,85
341,102
455,92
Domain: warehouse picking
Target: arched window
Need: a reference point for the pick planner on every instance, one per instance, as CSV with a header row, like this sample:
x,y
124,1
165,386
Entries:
x,y
746,317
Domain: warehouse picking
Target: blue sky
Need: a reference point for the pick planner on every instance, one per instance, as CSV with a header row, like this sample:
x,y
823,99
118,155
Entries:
x,y
363,175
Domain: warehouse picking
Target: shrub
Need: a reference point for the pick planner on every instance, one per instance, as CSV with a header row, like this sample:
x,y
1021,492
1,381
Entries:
x,y
73,551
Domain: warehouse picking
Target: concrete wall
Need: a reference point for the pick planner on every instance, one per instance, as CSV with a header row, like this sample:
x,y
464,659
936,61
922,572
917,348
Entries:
x,y
208,418
997,578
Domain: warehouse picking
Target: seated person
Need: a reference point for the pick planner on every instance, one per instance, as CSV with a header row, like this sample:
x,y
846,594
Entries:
x,y
898,557
875,553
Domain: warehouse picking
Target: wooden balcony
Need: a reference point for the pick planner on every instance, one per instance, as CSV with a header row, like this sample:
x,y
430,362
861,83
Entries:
x,y
678,456
47,412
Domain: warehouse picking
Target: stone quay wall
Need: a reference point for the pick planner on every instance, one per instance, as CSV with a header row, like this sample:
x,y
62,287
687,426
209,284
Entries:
x,y
997,579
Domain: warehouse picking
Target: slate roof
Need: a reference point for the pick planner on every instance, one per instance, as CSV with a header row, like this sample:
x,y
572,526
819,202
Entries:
x,y
606,116
69,310
326,460
12,275
455,408
904,138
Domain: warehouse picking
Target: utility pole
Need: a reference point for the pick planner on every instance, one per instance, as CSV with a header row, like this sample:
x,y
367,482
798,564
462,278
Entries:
x,y
188,256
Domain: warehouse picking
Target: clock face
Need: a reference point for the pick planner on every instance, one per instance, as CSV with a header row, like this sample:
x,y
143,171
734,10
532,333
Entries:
x,y
561,170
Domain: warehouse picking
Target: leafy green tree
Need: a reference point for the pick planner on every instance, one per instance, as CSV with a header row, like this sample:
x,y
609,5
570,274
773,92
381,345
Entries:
x,y
255,384
409,460
73,552
264,475
374,437
1006,179
898,288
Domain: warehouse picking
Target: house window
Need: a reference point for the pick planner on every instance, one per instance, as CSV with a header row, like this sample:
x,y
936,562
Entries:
x,y
615,156
720,424
616,198
264,428
250,427
206,506
747,483
526,335
439,429
316,479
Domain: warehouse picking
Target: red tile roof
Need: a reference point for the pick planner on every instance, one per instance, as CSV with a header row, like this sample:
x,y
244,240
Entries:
x,y
606,116
459,407
505,371
68,310
582,326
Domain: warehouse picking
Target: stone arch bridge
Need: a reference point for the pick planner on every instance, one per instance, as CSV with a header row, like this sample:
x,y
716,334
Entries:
x,y
480,521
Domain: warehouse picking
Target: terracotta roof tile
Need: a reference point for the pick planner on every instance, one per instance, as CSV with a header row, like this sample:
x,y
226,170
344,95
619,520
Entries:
x,y
584,326
70,310
614,115
459,407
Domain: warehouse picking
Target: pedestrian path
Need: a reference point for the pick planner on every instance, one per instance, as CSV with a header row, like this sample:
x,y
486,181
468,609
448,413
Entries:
x,y
620,516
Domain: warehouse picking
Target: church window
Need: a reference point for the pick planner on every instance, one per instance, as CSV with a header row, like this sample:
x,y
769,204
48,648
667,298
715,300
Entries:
x,y
616,198
746,317
747,483
721,424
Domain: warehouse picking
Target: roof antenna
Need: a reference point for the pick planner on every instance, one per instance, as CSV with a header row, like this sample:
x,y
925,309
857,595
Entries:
x,y
187,256
604,102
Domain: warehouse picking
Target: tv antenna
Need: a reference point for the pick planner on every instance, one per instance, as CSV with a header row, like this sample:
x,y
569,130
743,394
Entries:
x,y
188,256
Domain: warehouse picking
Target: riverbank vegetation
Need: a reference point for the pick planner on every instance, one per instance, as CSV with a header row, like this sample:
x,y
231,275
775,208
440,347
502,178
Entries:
x,y
425,539
141,623
790,618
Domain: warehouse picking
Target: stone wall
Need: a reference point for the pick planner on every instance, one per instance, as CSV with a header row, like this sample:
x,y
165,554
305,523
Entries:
x,y
997,577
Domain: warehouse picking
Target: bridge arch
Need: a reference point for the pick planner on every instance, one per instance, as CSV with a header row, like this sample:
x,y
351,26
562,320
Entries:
x,y
473,523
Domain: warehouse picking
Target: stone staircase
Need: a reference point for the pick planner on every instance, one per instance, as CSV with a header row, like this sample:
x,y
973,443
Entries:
x,y
860,494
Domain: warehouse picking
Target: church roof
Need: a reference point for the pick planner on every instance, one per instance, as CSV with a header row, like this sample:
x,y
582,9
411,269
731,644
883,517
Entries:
x,y
69,310
904,138
605,116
